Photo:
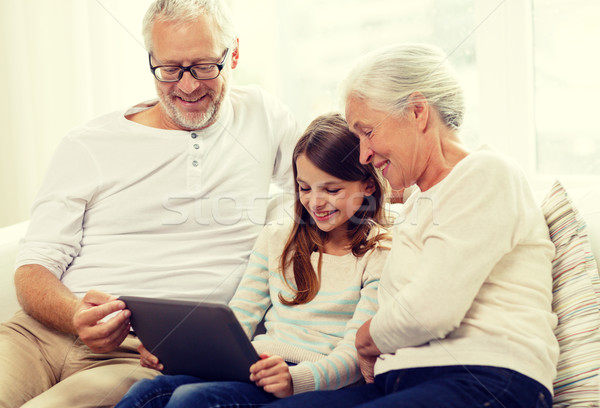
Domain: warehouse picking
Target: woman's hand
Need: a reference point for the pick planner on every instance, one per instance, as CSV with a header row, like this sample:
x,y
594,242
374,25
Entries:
x,y
367,351
273,375
148,359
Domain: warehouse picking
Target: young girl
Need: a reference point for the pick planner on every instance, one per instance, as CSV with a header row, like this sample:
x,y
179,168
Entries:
x,y
313,282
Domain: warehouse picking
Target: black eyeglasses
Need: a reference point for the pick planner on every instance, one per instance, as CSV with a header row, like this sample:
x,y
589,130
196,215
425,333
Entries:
x,y
173,73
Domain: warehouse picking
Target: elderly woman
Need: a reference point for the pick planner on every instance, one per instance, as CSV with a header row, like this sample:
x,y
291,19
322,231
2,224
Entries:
x,y
465,317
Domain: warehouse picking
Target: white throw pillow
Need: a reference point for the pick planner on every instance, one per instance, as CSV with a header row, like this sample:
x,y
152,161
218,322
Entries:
x,y
576,301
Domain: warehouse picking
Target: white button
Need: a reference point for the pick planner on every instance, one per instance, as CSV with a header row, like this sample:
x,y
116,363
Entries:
x,y
195,163
194,135
196,146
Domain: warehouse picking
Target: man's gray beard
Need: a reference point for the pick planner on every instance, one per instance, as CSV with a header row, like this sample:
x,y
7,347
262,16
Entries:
x,y
195,123
191,123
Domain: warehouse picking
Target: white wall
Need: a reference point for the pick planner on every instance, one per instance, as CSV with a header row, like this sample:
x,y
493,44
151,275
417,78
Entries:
x,y
66,61
62,62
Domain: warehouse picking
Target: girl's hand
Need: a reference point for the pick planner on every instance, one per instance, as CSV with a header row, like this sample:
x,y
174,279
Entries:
x,y
148,359
273,375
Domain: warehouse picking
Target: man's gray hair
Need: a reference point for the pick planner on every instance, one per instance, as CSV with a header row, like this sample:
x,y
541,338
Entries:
x,y
187,11
385,78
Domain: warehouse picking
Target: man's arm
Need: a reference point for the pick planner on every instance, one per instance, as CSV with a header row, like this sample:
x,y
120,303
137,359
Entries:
x,y
45,298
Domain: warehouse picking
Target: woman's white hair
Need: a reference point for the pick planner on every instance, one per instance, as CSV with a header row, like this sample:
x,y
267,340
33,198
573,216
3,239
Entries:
x,y
385,79
187,11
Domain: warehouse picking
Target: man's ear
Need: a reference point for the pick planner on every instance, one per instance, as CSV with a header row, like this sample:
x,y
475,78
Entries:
x,y
370,187
236,54
419,109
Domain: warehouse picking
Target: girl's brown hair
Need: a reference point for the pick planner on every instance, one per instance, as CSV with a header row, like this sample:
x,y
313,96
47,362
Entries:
x,y
330,146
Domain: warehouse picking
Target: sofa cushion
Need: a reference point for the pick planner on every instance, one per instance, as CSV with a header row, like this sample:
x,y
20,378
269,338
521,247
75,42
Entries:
x,y
587,201
576,302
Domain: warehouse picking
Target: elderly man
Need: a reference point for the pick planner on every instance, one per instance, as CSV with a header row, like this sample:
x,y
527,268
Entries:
x,y
162,200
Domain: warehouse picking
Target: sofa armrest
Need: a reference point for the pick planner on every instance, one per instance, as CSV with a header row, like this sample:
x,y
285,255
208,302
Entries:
x,y
586,199
587,202
9,242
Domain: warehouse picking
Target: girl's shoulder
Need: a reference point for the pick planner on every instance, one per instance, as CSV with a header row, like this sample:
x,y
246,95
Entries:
x,y
281,226
375,258
277,231
383,237
380,244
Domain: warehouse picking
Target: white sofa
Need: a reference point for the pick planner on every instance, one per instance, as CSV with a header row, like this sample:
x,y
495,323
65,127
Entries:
x,y
9,239
586,201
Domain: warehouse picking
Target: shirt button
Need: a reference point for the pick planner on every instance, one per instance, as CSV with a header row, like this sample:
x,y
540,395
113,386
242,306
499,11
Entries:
x,y
194,135
196,146
195,163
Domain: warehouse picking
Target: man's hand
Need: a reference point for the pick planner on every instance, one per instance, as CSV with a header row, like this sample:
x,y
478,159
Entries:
x,y
148,359
273,375
367,351
101,336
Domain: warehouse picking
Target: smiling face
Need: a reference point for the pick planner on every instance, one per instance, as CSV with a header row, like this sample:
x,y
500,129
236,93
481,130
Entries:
x,y
390,142
189,104
330,201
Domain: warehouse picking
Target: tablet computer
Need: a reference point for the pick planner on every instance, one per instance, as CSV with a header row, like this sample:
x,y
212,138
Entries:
x,y
195,338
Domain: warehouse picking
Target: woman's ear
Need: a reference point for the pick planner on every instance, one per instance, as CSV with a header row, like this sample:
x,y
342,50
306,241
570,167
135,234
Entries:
x,y
370,187
419,108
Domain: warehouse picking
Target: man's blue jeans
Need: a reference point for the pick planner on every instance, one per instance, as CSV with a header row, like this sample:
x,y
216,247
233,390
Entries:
x,y
186,391
440,387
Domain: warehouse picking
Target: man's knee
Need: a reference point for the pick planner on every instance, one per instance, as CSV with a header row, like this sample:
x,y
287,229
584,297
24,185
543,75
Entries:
x,y
102,386
22,359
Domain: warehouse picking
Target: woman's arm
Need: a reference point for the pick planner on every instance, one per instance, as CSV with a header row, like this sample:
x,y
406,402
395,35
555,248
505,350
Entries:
x,y
445,251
